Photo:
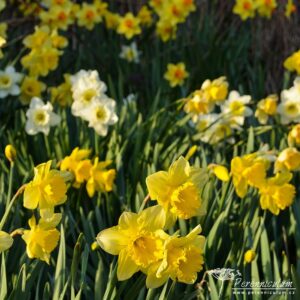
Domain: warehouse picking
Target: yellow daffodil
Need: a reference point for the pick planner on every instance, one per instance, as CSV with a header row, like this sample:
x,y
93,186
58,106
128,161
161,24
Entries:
x,y
292,63
176,74
215,90
249,256
166,30
265,108
47,189
245,8
288,160
265,8
42,238
248,170
10,153
6,241
79,164
178,191
145,16
138,240
31,87
277,193
220,172
182,260
294,136
88,16
129,26
290,8
101,7
100,179
112,20
2,43
62,94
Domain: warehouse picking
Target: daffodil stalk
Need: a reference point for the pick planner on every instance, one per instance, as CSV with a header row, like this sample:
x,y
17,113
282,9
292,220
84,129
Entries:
x,y
144,202
47,145
10,183
19,231
11,203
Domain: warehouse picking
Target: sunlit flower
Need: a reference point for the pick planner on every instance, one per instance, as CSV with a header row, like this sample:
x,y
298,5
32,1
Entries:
x,y
294,136
130,53
277,193
288,160
236,109
86,88
47,189
129,26
40,117
289,108
42,238
265,108
101,114
178,190
220,172
9,82
183,259
176,74
100,178
137,239
249,170
79,164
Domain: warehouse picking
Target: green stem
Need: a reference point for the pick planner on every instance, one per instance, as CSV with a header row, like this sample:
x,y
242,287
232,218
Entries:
x,y
47,145
11,203
171,290
96,140
10,183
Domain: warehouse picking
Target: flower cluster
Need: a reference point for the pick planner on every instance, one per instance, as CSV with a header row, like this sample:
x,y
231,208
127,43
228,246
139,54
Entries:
x,y
276,193
140,241
95,174
91,102
46,191
233,109
44,45
171,14
264,8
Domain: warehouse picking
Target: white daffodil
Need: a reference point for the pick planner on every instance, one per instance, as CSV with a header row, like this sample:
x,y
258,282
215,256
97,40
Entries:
x,y
40,117
214,128
289,108
235,108
130,53
101,114
9,80
6,241
86,88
